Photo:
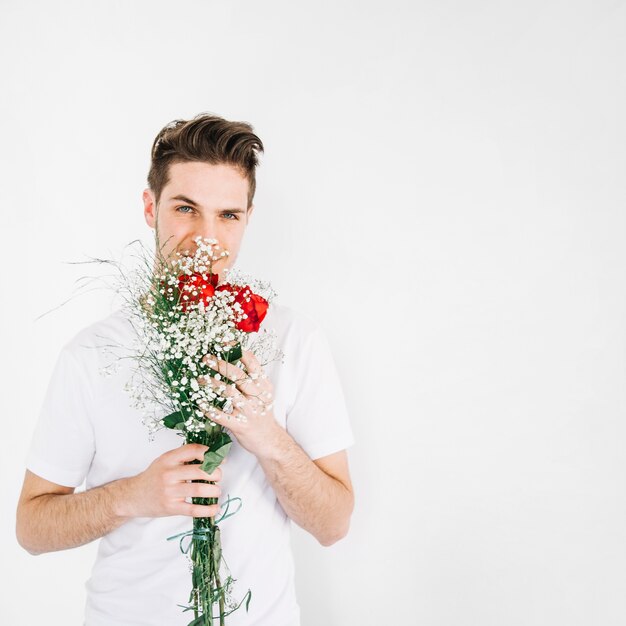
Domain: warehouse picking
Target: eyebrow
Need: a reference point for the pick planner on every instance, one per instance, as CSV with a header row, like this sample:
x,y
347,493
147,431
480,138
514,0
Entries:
x,y
193,203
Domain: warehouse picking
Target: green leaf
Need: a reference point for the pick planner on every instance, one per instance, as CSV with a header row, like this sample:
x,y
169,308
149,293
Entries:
x,y
217,452
233,354
217,549
221,439
225,380
220,403
174,420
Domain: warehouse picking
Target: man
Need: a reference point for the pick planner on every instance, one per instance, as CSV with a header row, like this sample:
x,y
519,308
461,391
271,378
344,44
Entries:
x,y
289,463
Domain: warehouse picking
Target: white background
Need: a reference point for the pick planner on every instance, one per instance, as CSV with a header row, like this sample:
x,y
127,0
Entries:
x,y
443,190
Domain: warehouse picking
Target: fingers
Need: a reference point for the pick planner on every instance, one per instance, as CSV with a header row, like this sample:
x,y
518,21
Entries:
x,y
251,385
252,365
200,510
252,369
195,490
186,453
228,420
223,368
248,385
195,472
180,459
219,386
168,485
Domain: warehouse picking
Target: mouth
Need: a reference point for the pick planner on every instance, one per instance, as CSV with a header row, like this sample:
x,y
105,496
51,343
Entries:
x,y
208,252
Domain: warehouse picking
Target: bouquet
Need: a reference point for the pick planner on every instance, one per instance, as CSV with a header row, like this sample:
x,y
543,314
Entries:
x,y
181,313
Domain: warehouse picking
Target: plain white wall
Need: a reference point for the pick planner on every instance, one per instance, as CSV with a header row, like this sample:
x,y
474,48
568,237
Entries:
x,y
443,189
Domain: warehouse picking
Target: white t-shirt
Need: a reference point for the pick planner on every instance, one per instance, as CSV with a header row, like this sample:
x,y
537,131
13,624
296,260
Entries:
x,y
88,431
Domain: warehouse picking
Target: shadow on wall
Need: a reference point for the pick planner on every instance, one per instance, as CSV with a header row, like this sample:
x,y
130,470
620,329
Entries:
x,y
314,580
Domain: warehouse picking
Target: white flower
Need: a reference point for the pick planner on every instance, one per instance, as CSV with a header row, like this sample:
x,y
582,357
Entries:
x,y
171,343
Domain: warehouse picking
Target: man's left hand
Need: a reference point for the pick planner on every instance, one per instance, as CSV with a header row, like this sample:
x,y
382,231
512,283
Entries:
x,y
252,419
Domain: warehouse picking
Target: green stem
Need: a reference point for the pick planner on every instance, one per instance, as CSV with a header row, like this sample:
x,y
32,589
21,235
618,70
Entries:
x,y
218,582
205,575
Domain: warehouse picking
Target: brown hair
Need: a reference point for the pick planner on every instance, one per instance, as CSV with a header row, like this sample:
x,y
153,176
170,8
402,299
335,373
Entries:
x,y
207,138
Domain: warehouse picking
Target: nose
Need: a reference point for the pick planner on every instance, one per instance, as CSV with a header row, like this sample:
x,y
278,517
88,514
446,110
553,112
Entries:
x,y
208,232
208,227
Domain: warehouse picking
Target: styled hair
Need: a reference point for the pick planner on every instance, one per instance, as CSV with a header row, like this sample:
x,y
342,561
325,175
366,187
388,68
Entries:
x,y
207,138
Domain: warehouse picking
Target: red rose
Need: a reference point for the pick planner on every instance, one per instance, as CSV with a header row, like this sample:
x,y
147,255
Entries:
x,y
253,305
196,288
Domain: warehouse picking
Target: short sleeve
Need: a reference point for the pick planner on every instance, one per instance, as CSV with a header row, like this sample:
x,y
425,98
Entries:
x,y
62,446
318,418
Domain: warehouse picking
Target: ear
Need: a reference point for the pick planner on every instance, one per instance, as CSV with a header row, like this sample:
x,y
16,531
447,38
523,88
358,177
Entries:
x,y
249,212
149,208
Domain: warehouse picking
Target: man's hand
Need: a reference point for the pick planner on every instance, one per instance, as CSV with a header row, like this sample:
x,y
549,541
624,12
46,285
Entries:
x,y
163,487
53,517
252,420
314,498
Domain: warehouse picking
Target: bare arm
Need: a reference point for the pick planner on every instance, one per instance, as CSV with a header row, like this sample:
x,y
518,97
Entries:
x,y
317,495
52,517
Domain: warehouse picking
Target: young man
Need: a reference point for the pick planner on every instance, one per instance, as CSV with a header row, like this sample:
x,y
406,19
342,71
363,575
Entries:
x,y
290,463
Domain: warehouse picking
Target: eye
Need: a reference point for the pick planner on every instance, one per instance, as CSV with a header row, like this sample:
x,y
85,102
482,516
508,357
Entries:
x,y
179,209
233,214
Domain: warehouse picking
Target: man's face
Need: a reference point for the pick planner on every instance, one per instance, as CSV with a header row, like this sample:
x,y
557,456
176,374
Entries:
x,y
200,199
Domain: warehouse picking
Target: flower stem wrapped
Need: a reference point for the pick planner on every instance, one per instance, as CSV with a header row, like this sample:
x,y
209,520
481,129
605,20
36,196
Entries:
x,y
182,314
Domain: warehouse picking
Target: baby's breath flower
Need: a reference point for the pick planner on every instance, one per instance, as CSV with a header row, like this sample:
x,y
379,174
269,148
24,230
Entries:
x,y
172,339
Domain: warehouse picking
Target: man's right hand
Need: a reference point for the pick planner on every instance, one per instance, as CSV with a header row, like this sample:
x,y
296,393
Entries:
x,y
162,489
52,517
